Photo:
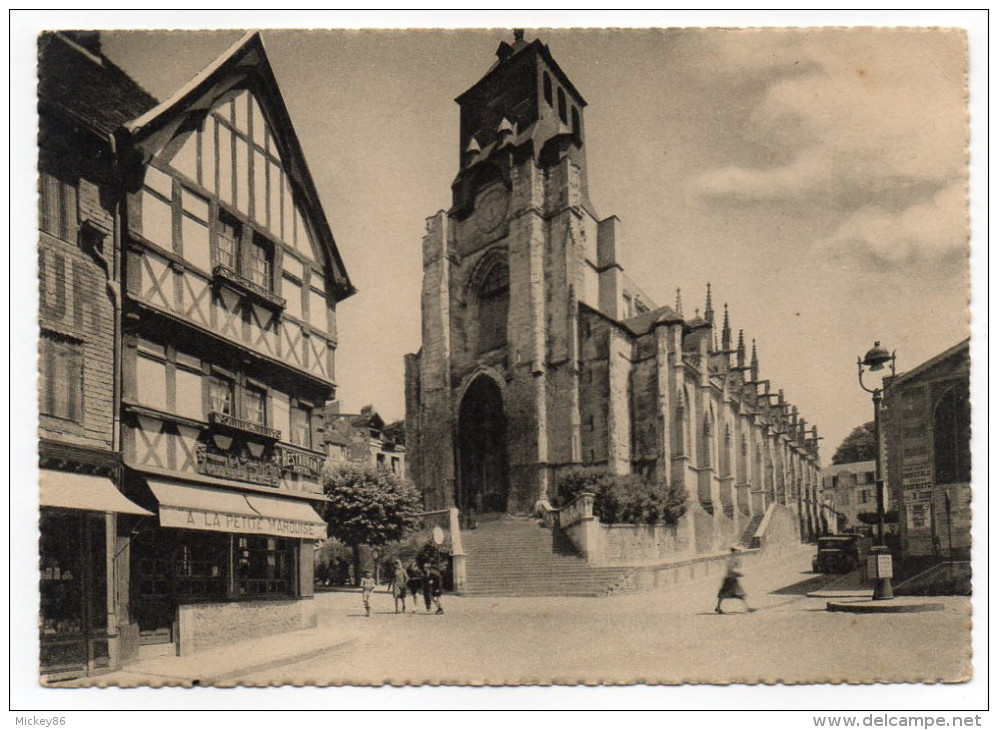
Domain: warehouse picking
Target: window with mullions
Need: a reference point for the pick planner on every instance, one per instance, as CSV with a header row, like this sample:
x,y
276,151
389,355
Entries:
x,y
264,566
227,241
220,393
60,382
57,199
301,432
253,406
258,263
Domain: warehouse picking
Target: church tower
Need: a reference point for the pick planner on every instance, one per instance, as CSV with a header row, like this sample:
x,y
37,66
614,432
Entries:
x,y
492,398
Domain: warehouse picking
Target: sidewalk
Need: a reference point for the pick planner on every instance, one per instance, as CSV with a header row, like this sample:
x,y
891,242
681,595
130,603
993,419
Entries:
x,y
222,666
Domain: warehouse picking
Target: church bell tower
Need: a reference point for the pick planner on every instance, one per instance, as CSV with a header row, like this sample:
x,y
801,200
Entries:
x,y
492,398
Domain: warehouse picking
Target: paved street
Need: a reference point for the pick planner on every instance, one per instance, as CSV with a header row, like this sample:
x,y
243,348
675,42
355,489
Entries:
x,y
667,636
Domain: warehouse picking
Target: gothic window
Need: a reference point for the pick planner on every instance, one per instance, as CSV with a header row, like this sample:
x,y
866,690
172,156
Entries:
x,y
951,437
562,106
547,88
493,308
576,126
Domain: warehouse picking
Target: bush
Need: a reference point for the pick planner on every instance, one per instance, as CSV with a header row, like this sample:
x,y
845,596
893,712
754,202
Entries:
x,y
623,498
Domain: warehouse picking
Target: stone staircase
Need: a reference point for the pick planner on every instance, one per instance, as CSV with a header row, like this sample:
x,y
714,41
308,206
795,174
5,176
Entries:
x,y
513,556
748,536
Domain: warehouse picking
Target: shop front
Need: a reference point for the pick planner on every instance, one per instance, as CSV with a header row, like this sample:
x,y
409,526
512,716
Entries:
x,y
77,623
218,563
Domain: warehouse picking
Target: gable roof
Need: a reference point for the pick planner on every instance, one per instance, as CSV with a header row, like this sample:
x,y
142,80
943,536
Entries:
x,y
244,65
930,363
84,82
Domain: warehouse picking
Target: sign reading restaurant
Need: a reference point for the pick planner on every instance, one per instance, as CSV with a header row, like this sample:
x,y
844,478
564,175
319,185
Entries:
x,y
242,464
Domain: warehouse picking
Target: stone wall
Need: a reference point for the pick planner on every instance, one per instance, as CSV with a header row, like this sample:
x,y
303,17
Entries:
x,y
206,625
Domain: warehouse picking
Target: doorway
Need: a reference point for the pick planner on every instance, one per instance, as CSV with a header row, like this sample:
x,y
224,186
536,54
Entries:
x,y
483,483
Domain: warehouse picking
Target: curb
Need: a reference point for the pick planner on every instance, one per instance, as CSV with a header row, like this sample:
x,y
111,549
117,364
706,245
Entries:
x,y
278,662
883,606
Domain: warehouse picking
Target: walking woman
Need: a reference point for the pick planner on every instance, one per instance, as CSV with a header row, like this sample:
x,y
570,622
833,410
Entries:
x,y
731,587
414,584
397,583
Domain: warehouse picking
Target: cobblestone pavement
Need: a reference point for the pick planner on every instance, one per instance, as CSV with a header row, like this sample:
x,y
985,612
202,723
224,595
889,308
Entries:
x,y
670,635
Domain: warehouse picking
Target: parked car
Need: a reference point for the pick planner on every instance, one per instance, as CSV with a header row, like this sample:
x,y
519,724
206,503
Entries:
x,y
840,553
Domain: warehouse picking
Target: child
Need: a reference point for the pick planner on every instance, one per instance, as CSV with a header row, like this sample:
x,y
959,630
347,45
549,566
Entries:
x,y
366,588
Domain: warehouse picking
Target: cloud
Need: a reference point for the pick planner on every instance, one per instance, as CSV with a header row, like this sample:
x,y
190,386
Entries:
x,y
876,137
929,236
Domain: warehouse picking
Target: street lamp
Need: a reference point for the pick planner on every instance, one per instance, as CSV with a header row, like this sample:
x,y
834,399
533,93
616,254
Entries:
x,y
876,358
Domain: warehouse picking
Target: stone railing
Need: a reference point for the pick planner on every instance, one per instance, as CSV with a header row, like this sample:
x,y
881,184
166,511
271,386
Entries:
x,y
549,515
578,510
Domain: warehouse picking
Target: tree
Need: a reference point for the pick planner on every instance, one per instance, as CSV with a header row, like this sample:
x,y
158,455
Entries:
x,y
860,445
368,506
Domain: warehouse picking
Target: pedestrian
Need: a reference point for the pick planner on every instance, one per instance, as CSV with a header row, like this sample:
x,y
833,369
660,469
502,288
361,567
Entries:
x,y
366,589
731,586
397,583
414,583
432,587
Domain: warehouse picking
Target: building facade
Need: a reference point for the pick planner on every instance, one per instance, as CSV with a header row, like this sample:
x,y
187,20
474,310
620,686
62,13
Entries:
x,y
539,354
927,441
222,338
850,490
364,438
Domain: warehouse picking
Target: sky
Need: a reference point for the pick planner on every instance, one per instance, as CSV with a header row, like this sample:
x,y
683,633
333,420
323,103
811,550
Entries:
x,y
816,178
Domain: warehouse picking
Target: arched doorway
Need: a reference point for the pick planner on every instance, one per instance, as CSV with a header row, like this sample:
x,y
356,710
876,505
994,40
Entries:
x,y
483,474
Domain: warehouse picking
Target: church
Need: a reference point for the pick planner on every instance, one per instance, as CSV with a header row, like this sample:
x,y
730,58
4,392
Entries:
x,y
539,354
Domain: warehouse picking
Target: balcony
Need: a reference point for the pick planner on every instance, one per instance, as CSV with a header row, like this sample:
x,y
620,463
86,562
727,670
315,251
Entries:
x,y
262,295
224,421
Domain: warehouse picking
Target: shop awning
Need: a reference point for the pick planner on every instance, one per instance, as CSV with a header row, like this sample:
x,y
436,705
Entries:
x,y
67,490
218,510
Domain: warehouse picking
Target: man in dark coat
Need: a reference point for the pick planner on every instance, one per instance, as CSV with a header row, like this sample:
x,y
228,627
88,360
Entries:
x,y
432,587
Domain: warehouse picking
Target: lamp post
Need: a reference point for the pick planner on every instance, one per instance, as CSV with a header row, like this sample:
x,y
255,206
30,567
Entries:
x,y
880,559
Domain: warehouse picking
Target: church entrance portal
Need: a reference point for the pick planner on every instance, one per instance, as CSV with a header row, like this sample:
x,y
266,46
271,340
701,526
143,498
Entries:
x,y
483,474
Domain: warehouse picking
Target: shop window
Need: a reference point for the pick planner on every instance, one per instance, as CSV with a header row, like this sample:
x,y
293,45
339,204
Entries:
x,y
60,382
254,410
547,88
264,566
220,393
57,207
301,430
198,561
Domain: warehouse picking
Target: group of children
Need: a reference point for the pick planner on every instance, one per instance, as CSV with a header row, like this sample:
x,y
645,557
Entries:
x,y
426,580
